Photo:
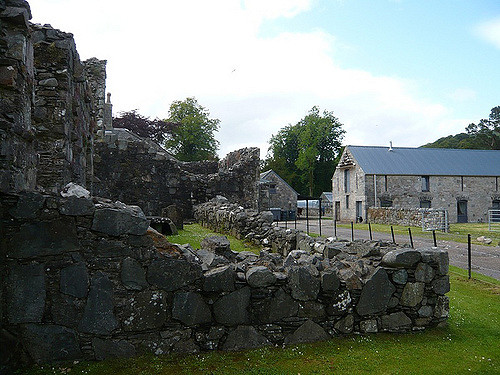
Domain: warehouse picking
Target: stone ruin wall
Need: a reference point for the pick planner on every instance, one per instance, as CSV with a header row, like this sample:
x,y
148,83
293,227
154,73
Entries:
x,y
109,287
131,172
50,103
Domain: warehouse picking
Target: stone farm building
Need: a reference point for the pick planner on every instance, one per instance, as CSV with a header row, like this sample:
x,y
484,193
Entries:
x,y
464,182
276,193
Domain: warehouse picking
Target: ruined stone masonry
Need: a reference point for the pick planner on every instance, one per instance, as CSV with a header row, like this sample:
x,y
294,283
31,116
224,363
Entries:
x,y
86,279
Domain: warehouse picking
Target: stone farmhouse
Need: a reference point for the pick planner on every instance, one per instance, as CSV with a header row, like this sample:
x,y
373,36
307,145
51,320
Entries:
x,y
464,182
276,193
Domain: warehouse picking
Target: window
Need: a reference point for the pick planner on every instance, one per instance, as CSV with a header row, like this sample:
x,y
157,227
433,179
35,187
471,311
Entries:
x,y
272,188
385,183
347,202
346,180
385,203
425,183
462,182
496,183
495,204
425,204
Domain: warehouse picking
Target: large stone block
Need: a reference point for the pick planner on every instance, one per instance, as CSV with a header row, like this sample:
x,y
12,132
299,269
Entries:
x,y
412,294
396,322
307,332
304,285
144,311
43,238
437,257
232,309
26,293
401,258
171,274
75,280
220,279
98,316
330,282
376,294
105,349
245,337
191,309
47,343
133,275
442,285
424,273
74,206
28,205
275,308
260,277
118,221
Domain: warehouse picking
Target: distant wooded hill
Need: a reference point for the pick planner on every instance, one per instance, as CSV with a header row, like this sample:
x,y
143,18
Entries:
x,y
482,136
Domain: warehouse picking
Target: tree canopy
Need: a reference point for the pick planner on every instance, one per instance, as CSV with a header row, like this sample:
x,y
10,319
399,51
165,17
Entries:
x,y
484,136
194,138
157,130
305,154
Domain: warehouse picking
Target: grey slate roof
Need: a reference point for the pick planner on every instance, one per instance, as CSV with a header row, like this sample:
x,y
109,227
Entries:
x,y
426,161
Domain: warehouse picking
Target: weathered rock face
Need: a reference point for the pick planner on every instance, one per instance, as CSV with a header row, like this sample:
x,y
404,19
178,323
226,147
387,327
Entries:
x,y
95,287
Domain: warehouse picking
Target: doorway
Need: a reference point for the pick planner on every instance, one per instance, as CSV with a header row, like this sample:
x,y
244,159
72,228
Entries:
x,y
337,210
462,211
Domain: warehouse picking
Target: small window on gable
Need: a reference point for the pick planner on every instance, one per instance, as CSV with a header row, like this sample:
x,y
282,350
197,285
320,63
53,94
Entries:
x,y
272,188
425,204
385,203
495,204
425,183
385,183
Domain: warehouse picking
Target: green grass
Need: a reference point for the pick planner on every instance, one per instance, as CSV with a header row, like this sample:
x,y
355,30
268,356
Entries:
x,y
469,344
193,234
457,233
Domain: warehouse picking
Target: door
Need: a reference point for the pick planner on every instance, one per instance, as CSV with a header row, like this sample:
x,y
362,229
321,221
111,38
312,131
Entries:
x,y
337,210
462,212
359,212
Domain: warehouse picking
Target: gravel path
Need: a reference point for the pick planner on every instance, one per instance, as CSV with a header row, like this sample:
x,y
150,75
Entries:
x,y
485,259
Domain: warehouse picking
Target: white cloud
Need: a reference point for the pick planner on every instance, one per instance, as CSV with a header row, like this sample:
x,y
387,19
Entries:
x,y
165,51
490,31
463,95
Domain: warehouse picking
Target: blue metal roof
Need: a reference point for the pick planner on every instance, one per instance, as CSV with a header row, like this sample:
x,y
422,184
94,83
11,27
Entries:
x,y
426,161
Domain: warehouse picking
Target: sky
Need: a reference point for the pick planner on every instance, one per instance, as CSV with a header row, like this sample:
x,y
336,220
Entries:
x,y
406,71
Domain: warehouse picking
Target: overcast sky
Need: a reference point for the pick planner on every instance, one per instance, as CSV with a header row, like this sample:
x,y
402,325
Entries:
x,y
407,71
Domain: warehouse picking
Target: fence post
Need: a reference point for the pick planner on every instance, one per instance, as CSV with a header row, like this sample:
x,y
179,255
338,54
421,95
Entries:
x,y
434,237
352,231
469,255
392,233
335,227
370,230
411,238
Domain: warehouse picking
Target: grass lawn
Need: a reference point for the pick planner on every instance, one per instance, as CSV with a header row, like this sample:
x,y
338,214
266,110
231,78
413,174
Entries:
x,y
470,344
195,233
457,233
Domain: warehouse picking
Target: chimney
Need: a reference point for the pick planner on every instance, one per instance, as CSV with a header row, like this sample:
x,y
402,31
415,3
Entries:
x,y
390,146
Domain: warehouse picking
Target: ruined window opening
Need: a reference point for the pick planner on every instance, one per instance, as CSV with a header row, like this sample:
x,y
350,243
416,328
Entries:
x,y
425,204
385,183
272,188
495,204
347,202
385,203
346,180
425,183
462,182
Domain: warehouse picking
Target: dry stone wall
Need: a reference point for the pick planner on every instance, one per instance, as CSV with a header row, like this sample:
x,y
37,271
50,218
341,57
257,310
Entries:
x,y
405,216
86,279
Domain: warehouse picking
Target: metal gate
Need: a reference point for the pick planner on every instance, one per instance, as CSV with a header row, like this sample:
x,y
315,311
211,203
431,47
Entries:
x,y
435,219
494,220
